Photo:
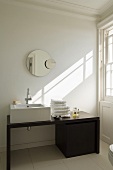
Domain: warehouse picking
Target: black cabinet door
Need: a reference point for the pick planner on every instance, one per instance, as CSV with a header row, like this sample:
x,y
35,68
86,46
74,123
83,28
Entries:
x,y
80,138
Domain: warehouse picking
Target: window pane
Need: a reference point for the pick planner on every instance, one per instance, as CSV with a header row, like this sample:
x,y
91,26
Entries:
x,y
110,53
107,92
111,92
108,67
110,32
109,40
108,79
108,61
112,79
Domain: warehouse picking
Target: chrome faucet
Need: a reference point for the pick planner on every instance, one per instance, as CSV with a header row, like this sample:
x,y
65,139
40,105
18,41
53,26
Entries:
x,y
28,96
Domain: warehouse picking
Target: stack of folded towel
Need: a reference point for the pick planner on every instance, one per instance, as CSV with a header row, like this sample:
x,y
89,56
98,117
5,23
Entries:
x,y
59,108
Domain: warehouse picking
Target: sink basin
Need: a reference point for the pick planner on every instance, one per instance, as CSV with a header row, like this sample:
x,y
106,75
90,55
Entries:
x,y
29,113
25,106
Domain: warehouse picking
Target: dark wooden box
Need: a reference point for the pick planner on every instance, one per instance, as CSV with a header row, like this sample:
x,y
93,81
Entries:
x,y
78,138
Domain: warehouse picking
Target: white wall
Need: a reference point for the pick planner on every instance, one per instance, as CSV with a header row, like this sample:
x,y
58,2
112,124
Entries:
x,y
68,40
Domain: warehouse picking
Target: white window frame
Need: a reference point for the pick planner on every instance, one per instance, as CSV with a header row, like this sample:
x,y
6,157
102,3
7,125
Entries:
x,y
103,27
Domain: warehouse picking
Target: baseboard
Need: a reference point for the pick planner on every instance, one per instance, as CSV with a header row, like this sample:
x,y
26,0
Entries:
x,y
105,139
29,145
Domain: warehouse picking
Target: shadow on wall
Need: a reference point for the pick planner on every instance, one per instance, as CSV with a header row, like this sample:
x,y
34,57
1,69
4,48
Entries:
x,y
67,81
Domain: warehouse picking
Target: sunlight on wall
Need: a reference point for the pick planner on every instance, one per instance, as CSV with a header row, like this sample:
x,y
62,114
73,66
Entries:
x,y
63,75
37,98
67,81
66,85
88,64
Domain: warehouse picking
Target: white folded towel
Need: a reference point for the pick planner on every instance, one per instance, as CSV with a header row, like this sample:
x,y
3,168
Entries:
x,y
58,108
61,111
57,105
61,108
59,114
57,101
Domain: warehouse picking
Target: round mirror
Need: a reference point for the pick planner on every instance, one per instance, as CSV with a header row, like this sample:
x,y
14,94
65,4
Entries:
x,y
39,63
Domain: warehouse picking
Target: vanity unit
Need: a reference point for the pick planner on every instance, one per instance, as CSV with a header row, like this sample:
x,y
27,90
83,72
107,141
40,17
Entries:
x,y
72,136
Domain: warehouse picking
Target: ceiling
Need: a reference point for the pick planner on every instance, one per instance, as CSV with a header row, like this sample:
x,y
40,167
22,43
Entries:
x,y
93,4
92,8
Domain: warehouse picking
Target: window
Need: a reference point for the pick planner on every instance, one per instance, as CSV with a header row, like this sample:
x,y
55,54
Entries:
x,y
108,57
106,64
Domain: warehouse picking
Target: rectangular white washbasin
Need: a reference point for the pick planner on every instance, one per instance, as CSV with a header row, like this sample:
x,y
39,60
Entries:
x,y
29,113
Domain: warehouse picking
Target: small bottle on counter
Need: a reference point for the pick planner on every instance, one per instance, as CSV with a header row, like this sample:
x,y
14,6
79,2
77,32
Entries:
x,y
16,102
77,113
74,112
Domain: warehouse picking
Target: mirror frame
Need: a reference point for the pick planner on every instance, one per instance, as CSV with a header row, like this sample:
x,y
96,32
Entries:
x,y
39,63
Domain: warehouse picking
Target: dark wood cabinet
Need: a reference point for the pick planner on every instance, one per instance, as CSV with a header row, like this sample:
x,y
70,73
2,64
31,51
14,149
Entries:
x,y
73,136
78,138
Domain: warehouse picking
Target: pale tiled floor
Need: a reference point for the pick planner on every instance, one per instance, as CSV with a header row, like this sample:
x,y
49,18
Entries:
x,y
3,161
50,158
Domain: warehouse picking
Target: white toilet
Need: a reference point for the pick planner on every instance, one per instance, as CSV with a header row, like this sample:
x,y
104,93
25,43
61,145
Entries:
x,y
110,154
